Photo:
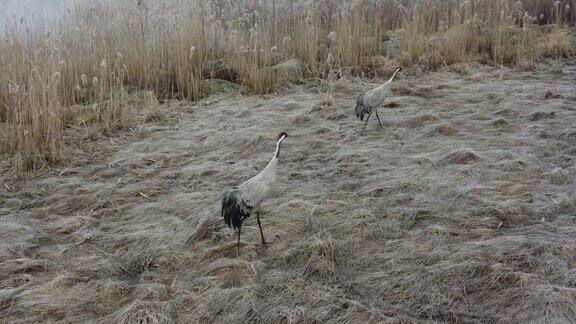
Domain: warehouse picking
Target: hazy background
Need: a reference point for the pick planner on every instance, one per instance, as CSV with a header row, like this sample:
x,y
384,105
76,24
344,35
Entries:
x,y
30,10
35,8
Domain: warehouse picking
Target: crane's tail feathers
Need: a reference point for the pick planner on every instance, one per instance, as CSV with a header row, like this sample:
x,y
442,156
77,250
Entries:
x,y
232,210
360,107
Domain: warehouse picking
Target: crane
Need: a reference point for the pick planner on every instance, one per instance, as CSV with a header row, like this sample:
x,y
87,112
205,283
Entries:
x,y
367,103
239,203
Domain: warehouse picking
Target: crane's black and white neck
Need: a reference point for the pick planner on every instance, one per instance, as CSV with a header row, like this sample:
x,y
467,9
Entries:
x,y
279,140
239,203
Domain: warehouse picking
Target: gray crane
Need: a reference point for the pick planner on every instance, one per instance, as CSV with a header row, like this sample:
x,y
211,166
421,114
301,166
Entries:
x,y
239,203
368,102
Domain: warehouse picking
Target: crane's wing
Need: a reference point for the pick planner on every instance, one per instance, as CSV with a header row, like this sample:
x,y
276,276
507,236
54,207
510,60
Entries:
x,y
360,107
234,210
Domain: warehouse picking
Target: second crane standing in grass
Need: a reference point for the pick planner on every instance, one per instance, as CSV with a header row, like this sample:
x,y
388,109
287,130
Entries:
x,y
239,203
368,102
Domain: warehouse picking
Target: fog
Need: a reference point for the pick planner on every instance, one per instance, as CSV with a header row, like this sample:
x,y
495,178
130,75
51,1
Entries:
x,y
38,10
35,9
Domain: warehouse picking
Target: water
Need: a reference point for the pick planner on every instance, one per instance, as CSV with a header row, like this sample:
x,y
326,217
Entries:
x,y
30,11
35,9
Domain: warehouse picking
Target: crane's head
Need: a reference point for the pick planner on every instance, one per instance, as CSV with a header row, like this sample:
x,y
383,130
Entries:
x,y
393,75
281,137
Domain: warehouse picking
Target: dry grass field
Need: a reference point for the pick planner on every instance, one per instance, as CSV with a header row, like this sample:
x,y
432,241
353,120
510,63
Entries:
x,y
461,209
115,151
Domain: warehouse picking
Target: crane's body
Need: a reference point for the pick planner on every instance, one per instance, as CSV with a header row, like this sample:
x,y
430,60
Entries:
x,y
239,203
368,102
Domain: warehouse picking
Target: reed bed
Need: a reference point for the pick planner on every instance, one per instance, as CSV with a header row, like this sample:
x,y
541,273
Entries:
x,y
92,55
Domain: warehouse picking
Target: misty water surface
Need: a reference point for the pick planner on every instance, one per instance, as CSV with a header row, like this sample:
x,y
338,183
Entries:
x,y
35,9
38,10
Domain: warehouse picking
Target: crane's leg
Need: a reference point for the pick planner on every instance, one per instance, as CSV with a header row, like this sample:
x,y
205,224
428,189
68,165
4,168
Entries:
x,y
260,225
378,119
363,128
238,244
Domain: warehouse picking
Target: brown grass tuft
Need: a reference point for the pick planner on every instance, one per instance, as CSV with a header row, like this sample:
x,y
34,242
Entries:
x,y
539,115
421,120
559,176
291,105
500,123
462,156
326,101
441,129
315,257
559,43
